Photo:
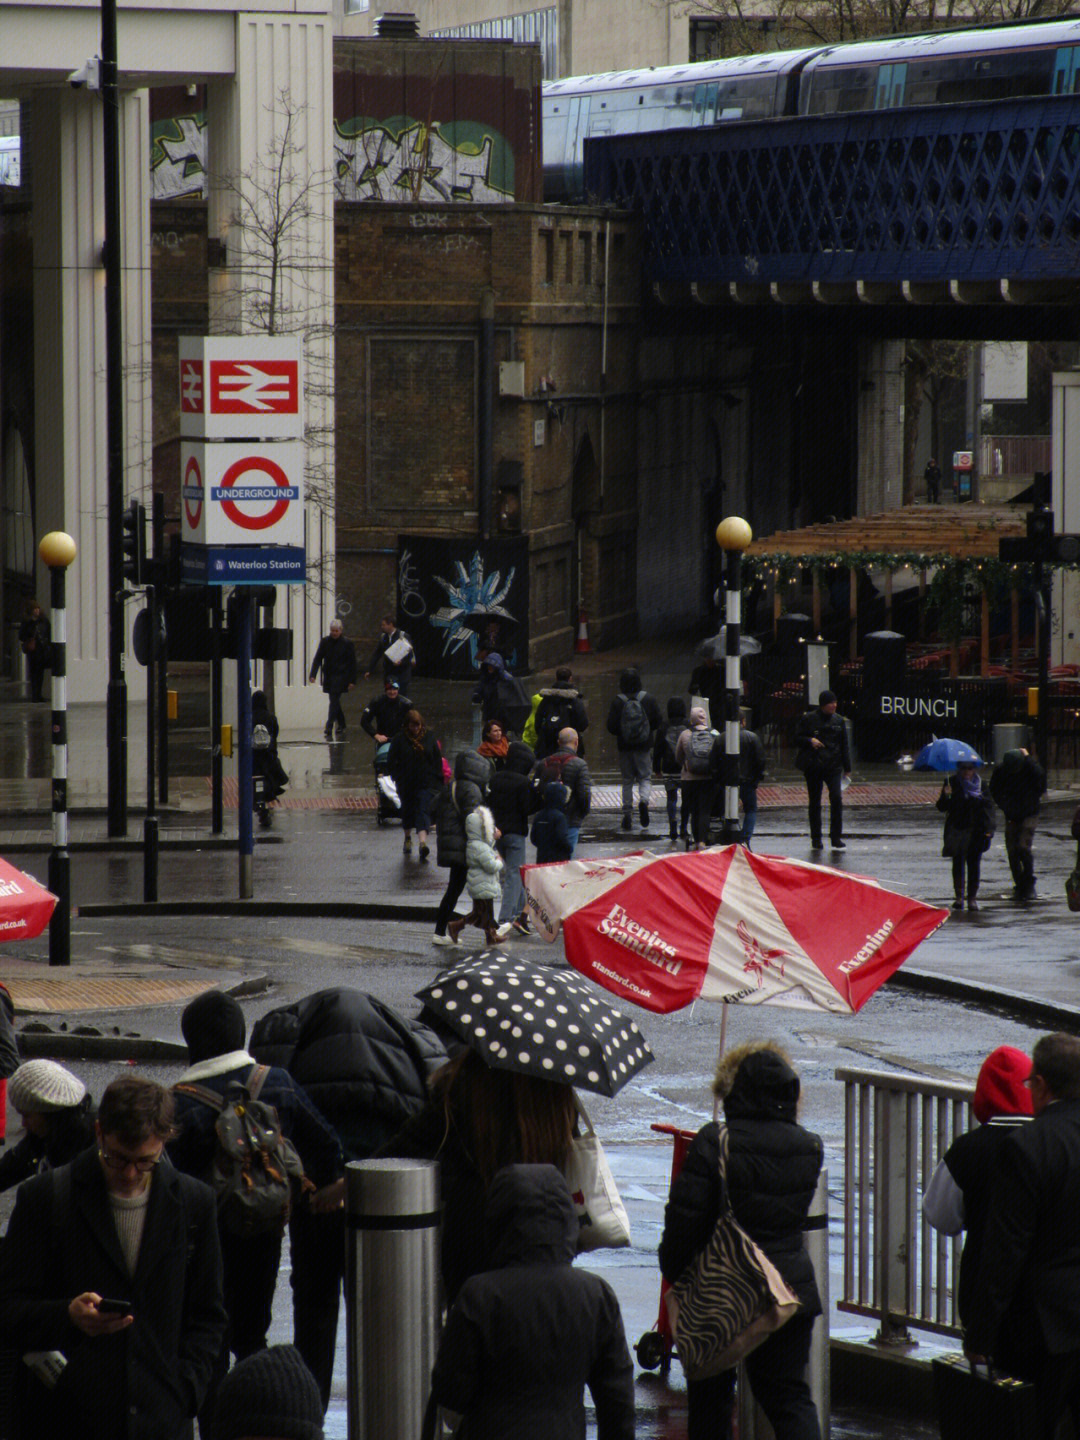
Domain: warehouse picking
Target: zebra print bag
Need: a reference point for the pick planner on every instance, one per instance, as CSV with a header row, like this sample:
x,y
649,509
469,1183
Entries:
x,y
729,1299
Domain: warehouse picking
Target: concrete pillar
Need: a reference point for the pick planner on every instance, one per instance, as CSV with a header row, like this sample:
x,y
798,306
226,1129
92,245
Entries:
x,y
881,427
284,83
67,229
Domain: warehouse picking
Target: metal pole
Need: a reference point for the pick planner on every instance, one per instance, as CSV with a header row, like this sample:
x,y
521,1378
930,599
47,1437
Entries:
x,y
217,808
391,1294
1042,720
116,693
59,858
245,828
162,698
732,694
150,823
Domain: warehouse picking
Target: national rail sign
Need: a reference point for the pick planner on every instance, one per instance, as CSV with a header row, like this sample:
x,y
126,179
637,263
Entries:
x,y
235,387
232,494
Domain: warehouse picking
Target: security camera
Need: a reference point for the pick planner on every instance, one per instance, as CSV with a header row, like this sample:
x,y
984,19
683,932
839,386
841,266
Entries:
x,y
87,77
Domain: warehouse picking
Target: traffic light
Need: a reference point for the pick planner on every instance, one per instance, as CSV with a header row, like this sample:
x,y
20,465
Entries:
x,y
133,543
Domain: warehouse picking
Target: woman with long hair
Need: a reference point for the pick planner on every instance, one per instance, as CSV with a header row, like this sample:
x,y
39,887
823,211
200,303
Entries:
x,y
415,763
494,745
476,1121
969,828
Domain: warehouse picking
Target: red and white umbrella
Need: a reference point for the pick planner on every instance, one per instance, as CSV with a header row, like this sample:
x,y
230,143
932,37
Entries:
x,y
727,924
25,906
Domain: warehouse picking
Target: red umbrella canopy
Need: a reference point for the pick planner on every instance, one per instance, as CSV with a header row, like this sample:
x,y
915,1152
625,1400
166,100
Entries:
x,y
729,924
25,906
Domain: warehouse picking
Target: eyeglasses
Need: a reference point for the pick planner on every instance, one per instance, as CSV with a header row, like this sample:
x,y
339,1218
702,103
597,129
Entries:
x,y
142,1163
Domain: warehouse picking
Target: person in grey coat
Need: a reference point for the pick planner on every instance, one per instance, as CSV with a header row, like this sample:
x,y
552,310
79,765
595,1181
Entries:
x,y
498,1365
455,803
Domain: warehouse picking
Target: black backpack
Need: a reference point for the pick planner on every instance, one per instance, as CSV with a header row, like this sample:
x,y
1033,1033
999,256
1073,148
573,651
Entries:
x,y
635,732
254,1166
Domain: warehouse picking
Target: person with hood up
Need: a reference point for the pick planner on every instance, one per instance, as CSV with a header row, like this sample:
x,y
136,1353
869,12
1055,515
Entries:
x,y
550,832
1016,787
511,801
958,1195
497,1365
634,718
484,867
666,764
771,1175
559,707
455,803
694,752
969,828
501,696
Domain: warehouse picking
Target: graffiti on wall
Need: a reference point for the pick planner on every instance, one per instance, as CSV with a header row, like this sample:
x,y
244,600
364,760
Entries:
x,y
395,159
404,159
178,157
457,597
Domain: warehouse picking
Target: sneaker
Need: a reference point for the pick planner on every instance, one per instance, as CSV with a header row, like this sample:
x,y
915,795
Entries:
x,y
973,904
442,940
815,845
521,925
837,845
424,852
627,821
958,903
505,929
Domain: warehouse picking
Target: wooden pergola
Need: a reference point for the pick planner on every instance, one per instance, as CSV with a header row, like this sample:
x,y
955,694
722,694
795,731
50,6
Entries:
x,y
927,536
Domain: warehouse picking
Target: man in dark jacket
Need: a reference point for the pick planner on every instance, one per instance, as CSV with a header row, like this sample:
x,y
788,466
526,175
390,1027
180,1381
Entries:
x,y
770,1178
399,669
1016,787
454,805
336,658
214,1029
365,1067
1026,1307
825,759
567,766
512,800
384,715
501,696
118,1222
562,707
496,1365
634,718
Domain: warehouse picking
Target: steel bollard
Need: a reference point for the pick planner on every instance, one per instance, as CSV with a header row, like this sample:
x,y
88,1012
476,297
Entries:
x,y
391,1294
752,1422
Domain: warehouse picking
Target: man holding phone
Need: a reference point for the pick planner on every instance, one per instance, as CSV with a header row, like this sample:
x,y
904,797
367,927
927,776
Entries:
x,y
111,1270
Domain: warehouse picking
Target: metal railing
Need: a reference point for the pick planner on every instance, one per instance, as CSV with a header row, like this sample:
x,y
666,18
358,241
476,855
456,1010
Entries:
x,y
896,1268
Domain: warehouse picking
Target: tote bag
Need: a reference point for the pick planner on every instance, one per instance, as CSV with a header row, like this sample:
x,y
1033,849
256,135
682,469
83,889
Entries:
x,y
730,1298
603,1223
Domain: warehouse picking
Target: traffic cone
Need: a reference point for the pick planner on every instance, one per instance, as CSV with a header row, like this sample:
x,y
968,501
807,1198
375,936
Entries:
x,y
582,646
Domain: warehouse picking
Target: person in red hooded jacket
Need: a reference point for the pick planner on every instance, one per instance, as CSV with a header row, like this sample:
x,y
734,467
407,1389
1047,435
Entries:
x,y
958,1195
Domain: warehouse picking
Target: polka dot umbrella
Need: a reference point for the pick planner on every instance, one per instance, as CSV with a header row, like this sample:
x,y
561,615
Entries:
x,y
538,1020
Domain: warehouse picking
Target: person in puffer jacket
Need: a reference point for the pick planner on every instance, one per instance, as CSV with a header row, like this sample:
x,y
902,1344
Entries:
x,y
455,803
772,1172
484,867
498,1365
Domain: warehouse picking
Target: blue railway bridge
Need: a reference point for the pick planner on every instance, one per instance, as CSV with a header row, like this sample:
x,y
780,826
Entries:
x,y
975,204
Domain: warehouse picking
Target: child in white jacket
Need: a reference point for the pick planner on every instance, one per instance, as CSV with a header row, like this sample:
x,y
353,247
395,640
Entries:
x,y
482,881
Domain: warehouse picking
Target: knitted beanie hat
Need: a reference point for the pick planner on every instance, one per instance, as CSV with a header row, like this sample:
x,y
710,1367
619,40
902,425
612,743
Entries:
x,y
213,1024
270,1393
42,1085
1000,1088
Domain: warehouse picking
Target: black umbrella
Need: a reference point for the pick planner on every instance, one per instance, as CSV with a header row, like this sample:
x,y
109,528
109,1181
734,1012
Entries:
x,y
539,1021
495,628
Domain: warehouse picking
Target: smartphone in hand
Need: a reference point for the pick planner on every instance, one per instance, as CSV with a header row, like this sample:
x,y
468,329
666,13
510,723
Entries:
x,y
114,1307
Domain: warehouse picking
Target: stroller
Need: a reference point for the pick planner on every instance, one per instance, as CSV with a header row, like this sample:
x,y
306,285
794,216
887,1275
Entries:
x,y
389,806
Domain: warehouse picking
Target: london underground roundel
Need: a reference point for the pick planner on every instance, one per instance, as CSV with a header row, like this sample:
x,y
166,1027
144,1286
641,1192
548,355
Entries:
x,y
263,480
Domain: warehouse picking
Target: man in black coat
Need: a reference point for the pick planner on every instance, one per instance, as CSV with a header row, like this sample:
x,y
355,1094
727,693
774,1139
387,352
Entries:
x,y
336,658
567,767
1026,1310
825,759
634,718
399,669
384,715
118,1223
1016,787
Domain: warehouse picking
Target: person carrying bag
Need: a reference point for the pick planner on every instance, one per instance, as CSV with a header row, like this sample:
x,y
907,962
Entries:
x,y
753,1182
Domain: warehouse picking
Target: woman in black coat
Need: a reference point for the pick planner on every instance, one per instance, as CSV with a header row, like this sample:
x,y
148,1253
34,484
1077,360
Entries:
x,y
772,1171
415,762
969,828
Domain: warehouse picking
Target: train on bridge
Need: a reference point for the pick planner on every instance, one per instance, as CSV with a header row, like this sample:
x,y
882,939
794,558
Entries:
x,y
999,63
